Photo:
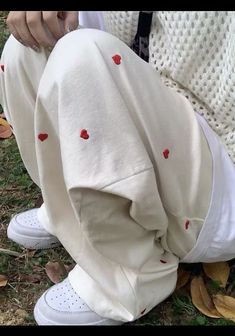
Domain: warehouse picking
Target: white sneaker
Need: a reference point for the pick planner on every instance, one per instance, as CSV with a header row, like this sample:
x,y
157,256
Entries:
x,y
26,230
61,305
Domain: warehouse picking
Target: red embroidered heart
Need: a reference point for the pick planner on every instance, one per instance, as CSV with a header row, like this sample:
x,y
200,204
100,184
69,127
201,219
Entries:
x,y
117,59
84,134
163,261
42,136
166,153
187,224
2,67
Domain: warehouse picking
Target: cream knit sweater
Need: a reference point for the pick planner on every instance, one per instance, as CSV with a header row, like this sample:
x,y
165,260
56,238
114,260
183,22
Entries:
x,y
195,54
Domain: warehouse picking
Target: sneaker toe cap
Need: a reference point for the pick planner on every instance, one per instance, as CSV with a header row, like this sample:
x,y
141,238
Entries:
x,y
61,305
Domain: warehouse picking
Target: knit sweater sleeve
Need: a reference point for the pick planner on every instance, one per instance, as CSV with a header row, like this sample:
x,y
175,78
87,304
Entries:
x,y
122,24
194,53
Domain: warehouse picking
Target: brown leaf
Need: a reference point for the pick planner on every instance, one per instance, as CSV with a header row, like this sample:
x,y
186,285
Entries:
x,y
55,271
39,202
183,278
201,298
218,271
5,129
30,278
225,306
3,280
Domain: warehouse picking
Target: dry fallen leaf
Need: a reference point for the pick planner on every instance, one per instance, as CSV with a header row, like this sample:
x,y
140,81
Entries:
x,y
201,298
218,271
30,278
5,129
55,271
225,306
3,280
183,278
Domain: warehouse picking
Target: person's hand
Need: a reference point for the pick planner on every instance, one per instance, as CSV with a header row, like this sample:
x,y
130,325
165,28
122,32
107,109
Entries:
x,y
35,28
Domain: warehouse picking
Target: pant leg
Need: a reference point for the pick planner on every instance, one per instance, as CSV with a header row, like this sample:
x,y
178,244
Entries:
x,y
19,82
113,198
115,190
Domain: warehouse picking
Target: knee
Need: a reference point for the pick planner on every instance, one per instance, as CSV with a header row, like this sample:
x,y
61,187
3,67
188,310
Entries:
x,y
85,46
84,38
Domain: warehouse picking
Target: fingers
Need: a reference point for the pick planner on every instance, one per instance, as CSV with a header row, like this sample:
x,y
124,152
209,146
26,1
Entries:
x,y
16,22
39,30
70,20
11,23
53,23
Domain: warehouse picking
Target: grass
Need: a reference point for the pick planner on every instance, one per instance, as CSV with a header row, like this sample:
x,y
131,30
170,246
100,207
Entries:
x,y
26,275
27,279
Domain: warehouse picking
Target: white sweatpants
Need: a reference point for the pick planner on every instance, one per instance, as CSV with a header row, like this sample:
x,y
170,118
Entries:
x,y
124,167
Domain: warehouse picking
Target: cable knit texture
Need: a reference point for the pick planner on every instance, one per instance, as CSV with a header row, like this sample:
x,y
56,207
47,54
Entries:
x,y
194,53
122,24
